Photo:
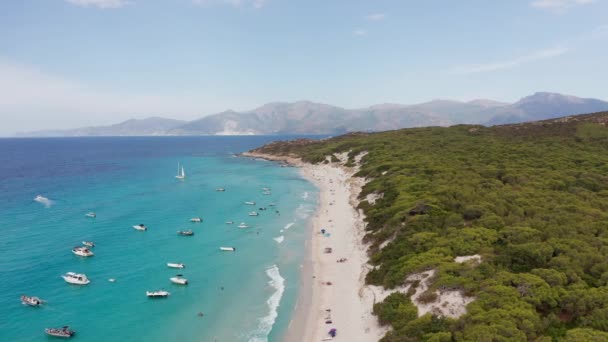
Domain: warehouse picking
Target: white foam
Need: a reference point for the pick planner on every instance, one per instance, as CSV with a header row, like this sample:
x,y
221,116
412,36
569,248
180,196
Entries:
x,y
45,201
287,226
265,323
279,239
305,195
304,211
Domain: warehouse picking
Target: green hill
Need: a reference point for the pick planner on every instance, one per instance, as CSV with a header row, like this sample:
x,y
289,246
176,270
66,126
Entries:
x,y
531,199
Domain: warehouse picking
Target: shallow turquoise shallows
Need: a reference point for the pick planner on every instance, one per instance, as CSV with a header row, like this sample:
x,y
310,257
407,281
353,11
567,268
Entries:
x,y
246,295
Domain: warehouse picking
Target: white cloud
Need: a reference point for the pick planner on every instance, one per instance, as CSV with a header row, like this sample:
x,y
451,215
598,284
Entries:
x,y
508,64
104,4
376,16
233,3
360,32
559,6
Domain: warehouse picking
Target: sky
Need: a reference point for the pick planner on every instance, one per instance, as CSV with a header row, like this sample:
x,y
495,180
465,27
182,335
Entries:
x,y
73,63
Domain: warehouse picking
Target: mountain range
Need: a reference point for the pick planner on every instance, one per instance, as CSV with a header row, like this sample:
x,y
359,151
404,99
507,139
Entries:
x,y
305,117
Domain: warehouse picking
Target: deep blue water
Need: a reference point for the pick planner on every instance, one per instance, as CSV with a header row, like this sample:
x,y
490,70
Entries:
x,y
248,295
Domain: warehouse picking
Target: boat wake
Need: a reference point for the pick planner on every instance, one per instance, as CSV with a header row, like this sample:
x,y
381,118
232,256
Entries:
x,y
279,239
44,201
265,323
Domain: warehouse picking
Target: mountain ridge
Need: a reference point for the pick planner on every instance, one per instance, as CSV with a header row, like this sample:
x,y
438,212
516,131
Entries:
x,y
307,117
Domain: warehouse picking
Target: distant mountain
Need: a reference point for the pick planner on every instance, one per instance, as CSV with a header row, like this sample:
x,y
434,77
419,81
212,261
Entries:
x,y
133,127
305,117
541,106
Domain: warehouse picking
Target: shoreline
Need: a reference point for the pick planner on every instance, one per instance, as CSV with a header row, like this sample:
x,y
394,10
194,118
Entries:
x,y
348,298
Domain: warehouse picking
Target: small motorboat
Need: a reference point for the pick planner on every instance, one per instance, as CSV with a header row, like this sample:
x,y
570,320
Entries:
x,y
112,280
262,208
229,222
243,225
76,278
253,213
185,232
82,251
64,332
228,249
196,219
180,174
266,189
266,193
179,280
91,215
41,199
271,205
157,294
176,265
140,227
31,301
250,203
88,243
220,189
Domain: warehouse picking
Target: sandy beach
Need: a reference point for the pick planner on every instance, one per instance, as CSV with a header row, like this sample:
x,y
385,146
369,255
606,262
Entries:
x,y
347,303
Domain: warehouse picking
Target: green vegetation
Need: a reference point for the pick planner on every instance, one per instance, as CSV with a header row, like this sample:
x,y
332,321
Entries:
x,y
531,199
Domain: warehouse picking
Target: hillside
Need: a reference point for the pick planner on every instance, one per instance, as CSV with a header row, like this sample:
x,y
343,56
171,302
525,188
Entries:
x,y
305,117
531,199
133,127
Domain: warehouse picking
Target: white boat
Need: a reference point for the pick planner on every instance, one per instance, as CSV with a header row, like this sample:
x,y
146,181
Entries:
x,y
250,203
179,280
76,278
253,213
112,280
180,172
243,225
196,219
220,189
82,251
140,227
175,265
229,222
266,189
228,249
31,301
88,243
64,332
157,294
266,193
91,215
41,199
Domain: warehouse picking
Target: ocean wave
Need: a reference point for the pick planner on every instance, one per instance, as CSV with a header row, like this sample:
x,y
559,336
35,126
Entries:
x,y
279,239
265,323
287,226
304,211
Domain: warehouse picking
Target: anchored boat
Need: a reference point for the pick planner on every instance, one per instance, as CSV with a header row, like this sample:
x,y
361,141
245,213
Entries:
x,y
228,249
76,278
64,332
140,227
179,279
31,301
82,251
185,232
157,294
176,265
196,219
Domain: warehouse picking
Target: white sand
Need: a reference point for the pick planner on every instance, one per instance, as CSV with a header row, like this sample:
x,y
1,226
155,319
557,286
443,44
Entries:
x,y
349,299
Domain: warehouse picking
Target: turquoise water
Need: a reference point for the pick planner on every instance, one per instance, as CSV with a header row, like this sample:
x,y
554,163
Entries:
x,y
247,295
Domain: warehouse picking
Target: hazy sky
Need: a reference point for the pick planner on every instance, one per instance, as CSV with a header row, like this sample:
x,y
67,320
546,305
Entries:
x,y
70,63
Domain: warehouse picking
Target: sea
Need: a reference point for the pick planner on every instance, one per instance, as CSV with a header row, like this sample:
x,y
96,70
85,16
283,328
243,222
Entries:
x,y
246,295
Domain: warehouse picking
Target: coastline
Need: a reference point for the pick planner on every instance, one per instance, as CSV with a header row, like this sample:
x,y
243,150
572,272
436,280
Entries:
x,y
348,298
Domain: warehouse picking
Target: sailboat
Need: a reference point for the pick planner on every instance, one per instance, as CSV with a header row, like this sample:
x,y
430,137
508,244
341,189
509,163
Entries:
x,y
180,172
